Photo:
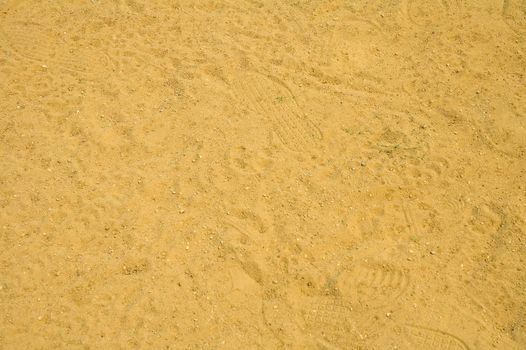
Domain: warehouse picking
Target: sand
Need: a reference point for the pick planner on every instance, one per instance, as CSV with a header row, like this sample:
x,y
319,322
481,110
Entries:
x,y
262,174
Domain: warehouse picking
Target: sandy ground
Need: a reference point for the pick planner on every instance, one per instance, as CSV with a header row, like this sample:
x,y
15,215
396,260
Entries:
x,y
253,174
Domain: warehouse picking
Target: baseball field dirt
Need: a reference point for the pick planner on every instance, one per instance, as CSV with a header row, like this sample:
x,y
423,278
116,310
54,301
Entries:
x,y
263,174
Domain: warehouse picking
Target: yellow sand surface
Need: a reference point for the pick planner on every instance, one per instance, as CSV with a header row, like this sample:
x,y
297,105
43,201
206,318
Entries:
x,y
263,174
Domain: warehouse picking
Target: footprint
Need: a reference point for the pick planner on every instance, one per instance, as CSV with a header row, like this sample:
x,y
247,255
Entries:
x,y
50,48
514,15
270,97
244,242
427,12
369,277
343,45
486,220
321,321
329,320
505,135
339,308
417,337
479,225
249,161
483,270
280,318
378,13
372,284
491,295
393,218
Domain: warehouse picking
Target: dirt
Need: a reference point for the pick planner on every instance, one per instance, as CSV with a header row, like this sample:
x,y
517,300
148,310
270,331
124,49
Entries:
x,y
261,174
